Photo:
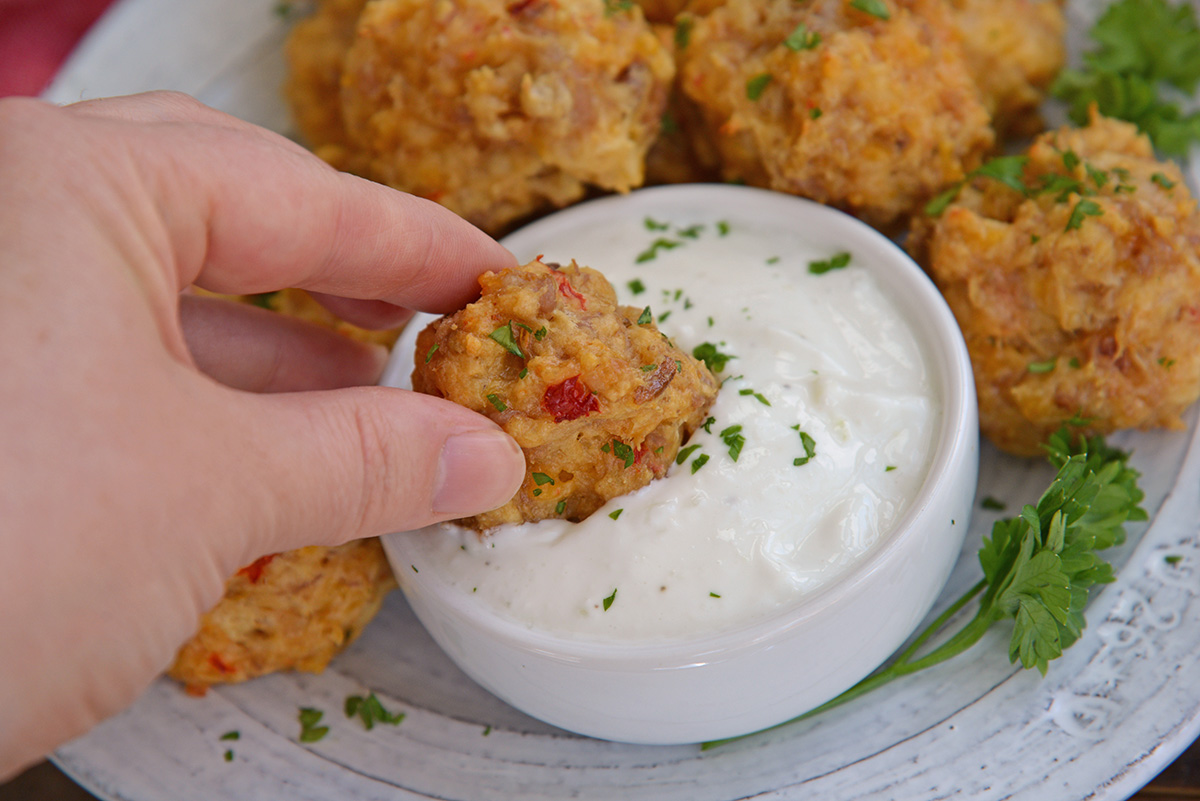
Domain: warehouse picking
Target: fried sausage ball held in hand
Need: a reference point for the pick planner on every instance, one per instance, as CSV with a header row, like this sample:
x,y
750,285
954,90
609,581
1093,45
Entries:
x,y
133,483
597,397
499,109
1075,277
870,112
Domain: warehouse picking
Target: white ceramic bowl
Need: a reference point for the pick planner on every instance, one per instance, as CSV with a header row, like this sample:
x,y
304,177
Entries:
x,y
736,681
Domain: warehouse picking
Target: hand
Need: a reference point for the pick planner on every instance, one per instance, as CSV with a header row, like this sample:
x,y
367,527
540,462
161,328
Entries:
x,y
132,484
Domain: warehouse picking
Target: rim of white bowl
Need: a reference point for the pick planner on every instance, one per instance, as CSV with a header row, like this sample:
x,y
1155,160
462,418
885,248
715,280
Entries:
x,y
919,301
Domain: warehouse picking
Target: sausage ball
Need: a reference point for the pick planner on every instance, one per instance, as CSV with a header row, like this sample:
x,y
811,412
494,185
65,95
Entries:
x,y
1014,49
292,610
870,112
495,109
599,400
1075,277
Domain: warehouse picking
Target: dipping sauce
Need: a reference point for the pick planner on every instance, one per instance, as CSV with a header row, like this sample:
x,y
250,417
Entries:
x,y
822,433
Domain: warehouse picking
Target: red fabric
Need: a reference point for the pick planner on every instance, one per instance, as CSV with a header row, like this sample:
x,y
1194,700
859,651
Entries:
x,y
36,36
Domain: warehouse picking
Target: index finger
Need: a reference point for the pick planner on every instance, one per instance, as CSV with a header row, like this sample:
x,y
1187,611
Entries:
x,y
245,211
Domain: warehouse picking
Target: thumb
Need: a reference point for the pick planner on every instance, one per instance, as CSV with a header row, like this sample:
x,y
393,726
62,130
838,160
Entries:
x,y
365,461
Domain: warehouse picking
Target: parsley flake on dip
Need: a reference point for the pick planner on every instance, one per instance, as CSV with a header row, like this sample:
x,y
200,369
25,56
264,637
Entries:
x,y
844,419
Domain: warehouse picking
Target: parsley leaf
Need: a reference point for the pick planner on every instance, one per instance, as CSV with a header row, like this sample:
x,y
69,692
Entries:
x,y
801,38
715,360
506,339
876,8
1084,208
757,85
370,711
1038,567
834,262
732,437
609,600
310,732
1141,45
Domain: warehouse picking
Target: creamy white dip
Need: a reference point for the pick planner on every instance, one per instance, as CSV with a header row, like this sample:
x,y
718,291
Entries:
x,y
729,541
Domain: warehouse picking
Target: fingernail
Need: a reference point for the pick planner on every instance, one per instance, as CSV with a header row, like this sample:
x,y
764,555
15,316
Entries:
x,y
477,471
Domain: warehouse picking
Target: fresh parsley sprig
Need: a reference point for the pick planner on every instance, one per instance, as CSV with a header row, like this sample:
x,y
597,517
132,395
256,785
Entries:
x,y
1141,46
1037,566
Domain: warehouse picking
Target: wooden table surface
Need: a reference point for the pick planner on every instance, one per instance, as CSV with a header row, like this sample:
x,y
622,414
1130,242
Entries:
x,y
44,782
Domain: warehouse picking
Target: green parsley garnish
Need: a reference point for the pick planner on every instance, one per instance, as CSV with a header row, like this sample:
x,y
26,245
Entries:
x,y
691,232
1008,170
835,262
231,735
615,513
1162,181
623,452
713,595
506,339
707,424
616,6
654,225
773,260
889,468
683,31
715,360
758,396
609,600
524,372
699,462
283,10
732,437
310,732
645,317
722,228
875,8
801,38
684,453
542,478
496,402
1042,367
1165,362
1084,208
636,287
757,85
370,711
815,113
487,730
1172,559
1141,45
1038,566
560,507
228,755
651,252
992,504
662,318
429,355
810,448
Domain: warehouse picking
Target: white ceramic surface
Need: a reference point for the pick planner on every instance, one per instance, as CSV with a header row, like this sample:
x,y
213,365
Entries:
x,y
741,681
1118,707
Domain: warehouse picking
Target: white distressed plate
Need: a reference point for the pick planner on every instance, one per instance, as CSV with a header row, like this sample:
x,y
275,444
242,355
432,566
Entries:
x,y
1122,703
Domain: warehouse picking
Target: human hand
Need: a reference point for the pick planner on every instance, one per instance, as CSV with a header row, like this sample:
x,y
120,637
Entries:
x,y
132,484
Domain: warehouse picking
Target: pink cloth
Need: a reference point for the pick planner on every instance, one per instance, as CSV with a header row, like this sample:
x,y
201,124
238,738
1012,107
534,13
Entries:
x,y
36,36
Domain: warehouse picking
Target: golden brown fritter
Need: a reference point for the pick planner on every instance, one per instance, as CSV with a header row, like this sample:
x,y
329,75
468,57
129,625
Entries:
x,y
1014,49
494,109
871,115
293,610
597,397
1080,298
